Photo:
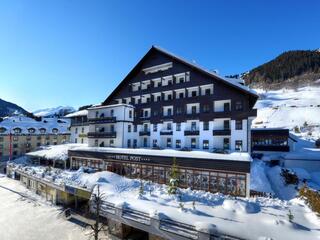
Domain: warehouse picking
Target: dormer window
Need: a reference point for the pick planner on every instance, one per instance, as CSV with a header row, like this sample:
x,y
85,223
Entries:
x,y
31,130
17,130
42,130
55,130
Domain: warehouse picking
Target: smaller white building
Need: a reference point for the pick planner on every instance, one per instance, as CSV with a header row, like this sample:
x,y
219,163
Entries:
x,y
79,127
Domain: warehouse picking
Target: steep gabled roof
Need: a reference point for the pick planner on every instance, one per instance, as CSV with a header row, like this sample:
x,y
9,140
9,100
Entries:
x,y
227,81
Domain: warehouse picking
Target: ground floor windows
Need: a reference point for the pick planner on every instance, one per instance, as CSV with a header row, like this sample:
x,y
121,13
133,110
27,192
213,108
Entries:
x,y
238,145
178,143
226,143
154,142
193,143
169,143
201,179
205,144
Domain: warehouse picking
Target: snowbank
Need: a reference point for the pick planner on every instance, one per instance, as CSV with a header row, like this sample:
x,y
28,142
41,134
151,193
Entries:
x,y
55,152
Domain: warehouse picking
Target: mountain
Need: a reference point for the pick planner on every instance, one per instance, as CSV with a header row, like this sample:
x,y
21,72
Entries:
x,y
54,112
290,69
9,109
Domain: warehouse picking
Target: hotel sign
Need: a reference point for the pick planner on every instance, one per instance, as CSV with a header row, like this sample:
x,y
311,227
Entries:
x,y
130,158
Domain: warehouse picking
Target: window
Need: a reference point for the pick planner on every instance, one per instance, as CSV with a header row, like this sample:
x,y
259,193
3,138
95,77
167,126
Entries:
x,y
181,95
15,138
38,137
205,144
226,124
169,142
82,130
111,143
96,142
194,110
205,126
81,140
135,128
111,128
169,126
238,124
155,143
239,106
226,107
207,92
129,143
178,127
39,144
76,141
145,127
129,128
145,142
135,143
15,145
76,130
169,112
178,143
238,145
169,97
130,114
1,139
97,114
158,98
155,127
193,143
206,108
193,126
112,112
226,144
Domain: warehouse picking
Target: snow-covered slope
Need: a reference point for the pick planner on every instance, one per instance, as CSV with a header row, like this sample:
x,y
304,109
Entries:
x,y
55,111
298,110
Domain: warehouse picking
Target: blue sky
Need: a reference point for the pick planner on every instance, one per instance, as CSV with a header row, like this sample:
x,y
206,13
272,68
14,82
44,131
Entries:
x,y
75,52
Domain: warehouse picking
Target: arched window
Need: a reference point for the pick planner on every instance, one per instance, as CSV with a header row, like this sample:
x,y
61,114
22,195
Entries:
x,y
55,130
17,130
31,130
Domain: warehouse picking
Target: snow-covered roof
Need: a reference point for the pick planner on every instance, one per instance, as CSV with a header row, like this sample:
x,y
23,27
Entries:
x,y
49,112
111,106
55,152
236,156
77,114
31,126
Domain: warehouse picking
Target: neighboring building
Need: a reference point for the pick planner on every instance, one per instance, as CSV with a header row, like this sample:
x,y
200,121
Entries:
x,y
20,135
271,140
167,102
79,126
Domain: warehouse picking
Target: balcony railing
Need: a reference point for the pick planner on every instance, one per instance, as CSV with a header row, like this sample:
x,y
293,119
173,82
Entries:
x,y
103,120
102,134
191,132
144,133
222,132
166,132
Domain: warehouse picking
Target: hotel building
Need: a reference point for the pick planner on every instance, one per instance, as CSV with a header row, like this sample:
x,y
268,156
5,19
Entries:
x,y
166,102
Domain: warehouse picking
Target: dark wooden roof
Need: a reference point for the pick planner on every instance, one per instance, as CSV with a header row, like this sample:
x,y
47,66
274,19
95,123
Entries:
x,y
254,97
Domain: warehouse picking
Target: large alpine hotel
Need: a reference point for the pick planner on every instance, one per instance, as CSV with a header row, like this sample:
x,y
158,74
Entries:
x,y
168,109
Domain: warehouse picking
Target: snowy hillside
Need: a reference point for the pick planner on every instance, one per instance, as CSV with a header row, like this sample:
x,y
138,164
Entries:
x,y
298,110
52,112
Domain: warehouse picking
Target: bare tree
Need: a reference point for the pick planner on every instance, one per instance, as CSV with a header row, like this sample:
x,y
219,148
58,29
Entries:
x,y
96,202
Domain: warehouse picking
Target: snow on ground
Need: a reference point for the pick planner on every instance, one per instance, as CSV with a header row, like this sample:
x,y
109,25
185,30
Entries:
x,y
55,152
289,108
26,217
258,180
204,210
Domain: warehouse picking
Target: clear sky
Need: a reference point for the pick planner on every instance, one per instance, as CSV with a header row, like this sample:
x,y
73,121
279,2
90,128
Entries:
x,y
75,52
